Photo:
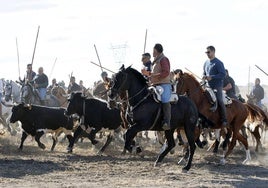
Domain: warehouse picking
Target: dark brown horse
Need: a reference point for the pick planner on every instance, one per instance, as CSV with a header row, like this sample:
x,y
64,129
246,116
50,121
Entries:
x,y
237,112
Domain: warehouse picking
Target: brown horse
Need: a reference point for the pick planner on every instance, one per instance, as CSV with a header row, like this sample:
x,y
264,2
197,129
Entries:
x,y
237,112
61,95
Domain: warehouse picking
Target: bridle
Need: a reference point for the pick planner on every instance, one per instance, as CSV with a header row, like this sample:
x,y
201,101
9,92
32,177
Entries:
x,y
126,99
188,92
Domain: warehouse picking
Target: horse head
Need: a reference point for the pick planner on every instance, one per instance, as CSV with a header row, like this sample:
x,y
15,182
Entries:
x,y
26,93
8,90
118,83
186,83
58,91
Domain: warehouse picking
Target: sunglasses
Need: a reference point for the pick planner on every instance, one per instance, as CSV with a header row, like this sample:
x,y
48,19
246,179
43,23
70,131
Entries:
x,y
208,52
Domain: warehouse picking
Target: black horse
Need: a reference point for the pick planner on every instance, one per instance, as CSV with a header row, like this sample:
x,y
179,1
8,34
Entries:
x,y
147,113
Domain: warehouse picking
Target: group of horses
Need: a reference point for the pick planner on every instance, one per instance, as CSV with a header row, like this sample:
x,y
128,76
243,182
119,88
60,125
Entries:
x,y
141,111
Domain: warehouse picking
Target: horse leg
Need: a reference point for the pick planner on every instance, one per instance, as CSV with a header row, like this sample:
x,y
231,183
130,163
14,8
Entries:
x,y
216,143
129,136
109,139
72,140
37,139
257,136
190,134
55,140
179,137
167,147
23,137
244,141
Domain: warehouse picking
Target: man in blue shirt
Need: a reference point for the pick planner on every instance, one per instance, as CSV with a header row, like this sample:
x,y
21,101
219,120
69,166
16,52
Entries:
x,y
214,73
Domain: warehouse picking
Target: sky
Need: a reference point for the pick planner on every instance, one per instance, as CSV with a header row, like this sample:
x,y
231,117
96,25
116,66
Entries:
x,y
69,30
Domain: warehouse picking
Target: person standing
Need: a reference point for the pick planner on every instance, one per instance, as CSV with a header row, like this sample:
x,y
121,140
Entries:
x,y
160,75
41,83
229,85
214,73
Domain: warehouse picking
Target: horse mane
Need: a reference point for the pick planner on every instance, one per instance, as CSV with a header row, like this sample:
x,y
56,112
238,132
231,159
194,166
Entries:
x,y
193,78
137,74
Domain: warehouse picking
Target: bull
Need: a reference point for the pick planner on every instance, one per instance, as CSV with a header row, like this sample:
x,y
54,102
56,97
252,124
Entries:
x,y
38,120
95,115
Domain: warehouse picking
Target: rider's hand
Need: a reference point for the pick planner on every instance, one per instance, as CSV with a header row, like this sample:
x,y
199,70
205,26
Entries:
x,y
145,72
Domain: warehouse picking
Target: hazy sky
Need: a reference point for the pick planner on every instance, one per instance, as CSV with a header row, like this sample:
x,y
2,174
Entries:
x,y
69,29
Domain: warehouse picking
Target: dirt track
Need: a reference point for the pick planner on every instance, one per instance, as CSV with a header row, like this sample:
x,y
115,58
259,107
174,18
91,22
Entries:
x,y
34,167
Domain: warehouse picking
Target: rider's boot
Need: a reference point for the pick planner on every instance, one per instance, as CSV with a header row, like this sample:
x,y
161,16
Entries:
x,y
166,107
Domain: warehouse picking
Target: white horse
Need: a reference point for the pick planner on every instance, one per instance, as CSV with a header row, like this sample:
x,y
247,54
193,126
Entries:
x,y
11,96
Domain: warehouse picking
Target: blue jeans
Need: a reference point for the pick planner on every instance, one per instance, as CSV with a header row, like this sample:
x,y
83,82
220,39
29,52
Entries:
x,y
166,94
220,103
42,93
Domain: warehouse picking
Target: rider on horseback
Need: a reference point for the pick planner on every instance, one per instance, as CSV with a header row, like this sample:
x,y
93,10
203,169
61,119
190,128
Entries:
x,y
257,94
160,75
73,86
147,64
30,74
214,73
41,83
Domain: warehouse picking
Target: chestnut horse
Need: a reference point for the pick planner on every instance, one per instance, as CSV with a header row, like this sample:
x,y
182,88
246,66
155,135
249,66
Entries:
x,y
237,112
61,95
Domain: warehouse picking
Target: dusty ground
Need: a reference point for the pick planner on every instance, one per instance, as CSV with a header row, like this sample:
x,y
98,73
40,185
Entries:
x,y
34,167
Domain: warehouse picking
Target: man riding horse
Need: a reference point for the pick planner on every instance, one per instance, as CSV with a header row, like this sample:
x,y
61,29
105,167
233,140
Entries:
x,y
41,83
160,75
214,73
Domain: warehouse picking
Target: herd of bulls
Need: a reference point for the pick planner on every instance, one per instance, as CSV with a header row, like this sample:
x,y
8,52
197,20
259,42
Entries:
x,y
94,115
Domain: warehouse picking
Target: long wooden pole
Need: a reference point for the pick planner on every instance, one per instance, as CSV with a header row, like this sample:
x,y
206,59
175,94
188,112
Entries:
x,y
98,58
103,68
18,56
53,66
145,41
193,74
35,44
261,70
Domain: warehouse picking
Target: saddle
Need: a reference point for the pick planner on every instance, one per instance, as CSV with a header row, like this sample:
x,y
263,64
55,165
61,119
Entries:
x,y
211,96
157,91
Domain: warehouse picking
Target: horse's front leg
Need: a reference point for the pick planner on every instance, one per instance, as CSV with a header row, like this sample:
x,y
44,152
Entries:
x,y
167,146
130,134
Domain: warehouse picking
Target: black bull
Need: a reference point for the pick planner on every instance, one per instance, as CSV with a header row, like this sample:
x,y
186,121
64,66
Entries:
x,y
37,120
95,115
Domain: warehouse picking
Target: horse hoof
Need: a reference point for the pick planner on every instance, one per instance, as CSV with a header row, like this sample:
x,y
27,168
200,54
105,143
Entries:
x,y
156,164
185,170
99,153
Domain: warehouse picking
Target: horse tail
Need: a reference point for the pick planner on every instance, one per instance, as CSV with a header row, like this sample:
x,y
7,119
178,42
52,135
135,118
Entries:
x,y
256,113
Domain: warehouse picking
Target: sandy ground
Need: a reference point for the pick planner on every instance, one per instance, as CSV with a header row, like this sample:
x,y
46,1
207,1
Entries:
x,y
34,167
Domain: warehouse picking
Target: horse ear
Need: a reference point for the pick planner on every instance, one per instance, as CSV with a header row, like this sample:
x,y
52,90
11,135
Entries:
x,y
178,72
122,67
